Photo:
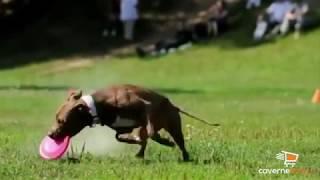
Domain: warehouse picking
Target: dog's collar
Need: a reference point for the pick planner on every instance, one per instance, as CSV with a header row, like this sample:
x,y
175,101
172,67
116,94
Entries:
x,y
88,99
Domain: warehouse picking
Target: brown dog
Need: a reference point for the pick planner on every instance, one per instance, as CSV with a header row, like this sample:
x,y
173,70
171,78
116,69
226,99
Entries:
x,y
135,113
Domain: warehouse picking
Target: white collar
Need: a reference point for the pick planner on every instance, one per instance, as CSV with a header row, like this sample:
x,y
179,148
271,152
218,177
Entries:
x,y
88,99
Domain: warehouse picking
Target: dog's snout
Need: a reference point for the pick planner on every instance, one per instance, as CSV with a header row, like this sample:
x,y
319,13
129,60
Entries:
x,y
53,132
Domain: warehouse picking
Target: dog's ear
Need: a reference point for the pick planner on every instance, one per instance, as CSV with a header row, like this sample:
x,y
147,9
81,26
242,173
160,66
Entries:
x,y
75,94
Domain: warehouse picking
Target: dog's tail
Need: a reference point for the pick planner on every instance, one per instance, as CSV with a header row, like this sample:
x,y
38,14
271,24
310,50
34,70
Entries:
x,y
181,111
196,118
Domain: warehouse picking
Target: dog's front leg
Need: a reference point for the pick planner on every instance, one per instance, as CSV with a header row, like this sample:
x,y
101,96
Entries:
x,y
128,138
137,136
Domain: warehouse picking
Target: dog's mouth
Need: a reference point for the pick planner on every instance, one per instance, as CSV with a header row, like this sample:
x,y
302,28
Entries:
x,y
56,134
64,131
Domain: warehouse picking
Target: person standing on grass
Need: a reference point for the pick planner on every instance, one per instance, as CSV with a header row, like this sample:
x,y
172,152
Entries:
x,y
112,28
218,18
129,16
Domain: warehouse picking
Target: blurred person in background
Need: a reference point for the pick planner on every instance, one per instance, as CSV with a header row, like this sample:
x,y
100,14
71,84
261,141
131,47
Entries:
x,y
112,28
274,17
129,15
295,19
182,39
253,4
218,18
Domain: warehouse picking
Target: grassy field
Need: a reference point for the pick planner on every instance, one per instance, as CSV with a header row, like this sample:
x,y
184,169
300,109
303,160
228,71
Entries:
x,y
261,96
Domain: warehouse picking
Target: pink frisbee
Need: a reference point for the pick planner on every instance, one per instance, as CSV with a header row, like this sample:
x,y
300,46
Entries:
x,y
52,149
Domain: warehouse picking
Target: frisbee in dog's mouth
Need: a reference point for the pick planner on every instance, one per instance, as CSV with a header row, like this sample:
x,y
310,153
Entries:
x,y
52,149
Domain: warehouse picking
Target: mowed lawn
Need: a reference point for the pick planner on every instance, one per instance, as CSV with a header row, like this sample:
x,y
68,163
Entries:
x,y
260,95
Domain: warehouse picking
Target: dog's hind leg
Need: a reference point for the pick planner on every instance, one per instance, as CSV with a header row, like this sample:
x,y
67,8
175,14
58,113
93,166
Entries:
x,y
164,141
137,136
175,131
128,138
143,134
178,138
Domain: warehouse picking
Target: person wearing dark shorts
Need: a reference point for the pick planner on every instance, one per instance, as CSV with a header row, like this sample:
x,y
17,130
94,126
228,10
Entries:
x,y
218,18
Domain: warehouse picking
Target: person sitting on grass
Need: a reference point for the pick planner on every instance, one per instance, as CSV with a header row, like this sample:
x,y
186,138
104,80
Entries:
x,y
207,25
183,38
295,19
112,28
274,17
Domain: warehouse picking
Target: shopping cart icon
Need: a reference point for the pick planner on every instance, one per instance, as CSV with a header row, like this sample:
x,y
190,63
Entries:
x,y
289,158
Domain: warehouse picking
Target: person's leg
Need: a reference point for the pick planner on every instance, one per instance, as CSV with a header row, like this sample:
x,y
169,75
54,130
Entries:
x,y
300,24
129,29
113,28
125,29
202,32
273,30
249,4
257,3
285,26
260,30
107,31
131,32
222,25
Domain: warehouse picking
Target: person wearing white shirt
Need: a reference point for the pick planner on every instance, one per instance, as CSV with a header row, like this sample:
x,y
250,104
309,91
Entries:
x,y
261,28
295,19
129,15
275,13
278,10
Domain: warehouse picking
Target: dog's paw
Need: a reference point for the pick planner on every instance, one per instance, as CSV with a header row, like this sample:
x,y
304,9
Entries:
x,y
140,155
137,138
171,144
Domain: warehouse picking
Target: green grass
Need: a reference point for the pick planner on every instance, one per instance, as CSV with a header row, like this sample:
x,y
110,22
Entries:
x,y
261,96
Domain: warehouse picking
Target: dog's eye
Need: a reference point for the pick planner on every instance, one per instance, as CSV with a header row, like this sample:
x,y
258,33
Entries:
x,y
60,121
81,107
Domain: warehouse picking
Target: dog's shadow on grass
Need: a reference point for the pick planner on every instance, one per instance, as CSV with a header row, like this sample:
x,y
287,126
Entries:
x,y
70,161
195,161
34,87
179,91
180,161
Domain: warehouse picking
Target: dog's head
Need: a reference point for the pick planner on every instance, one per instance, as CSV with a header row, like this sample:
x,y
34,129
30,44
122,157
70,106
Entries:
x,y
72,116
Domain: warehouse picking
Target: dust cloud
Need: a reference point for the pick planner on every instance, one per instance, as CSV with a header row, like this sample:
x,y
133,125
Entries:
x,y
99,140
